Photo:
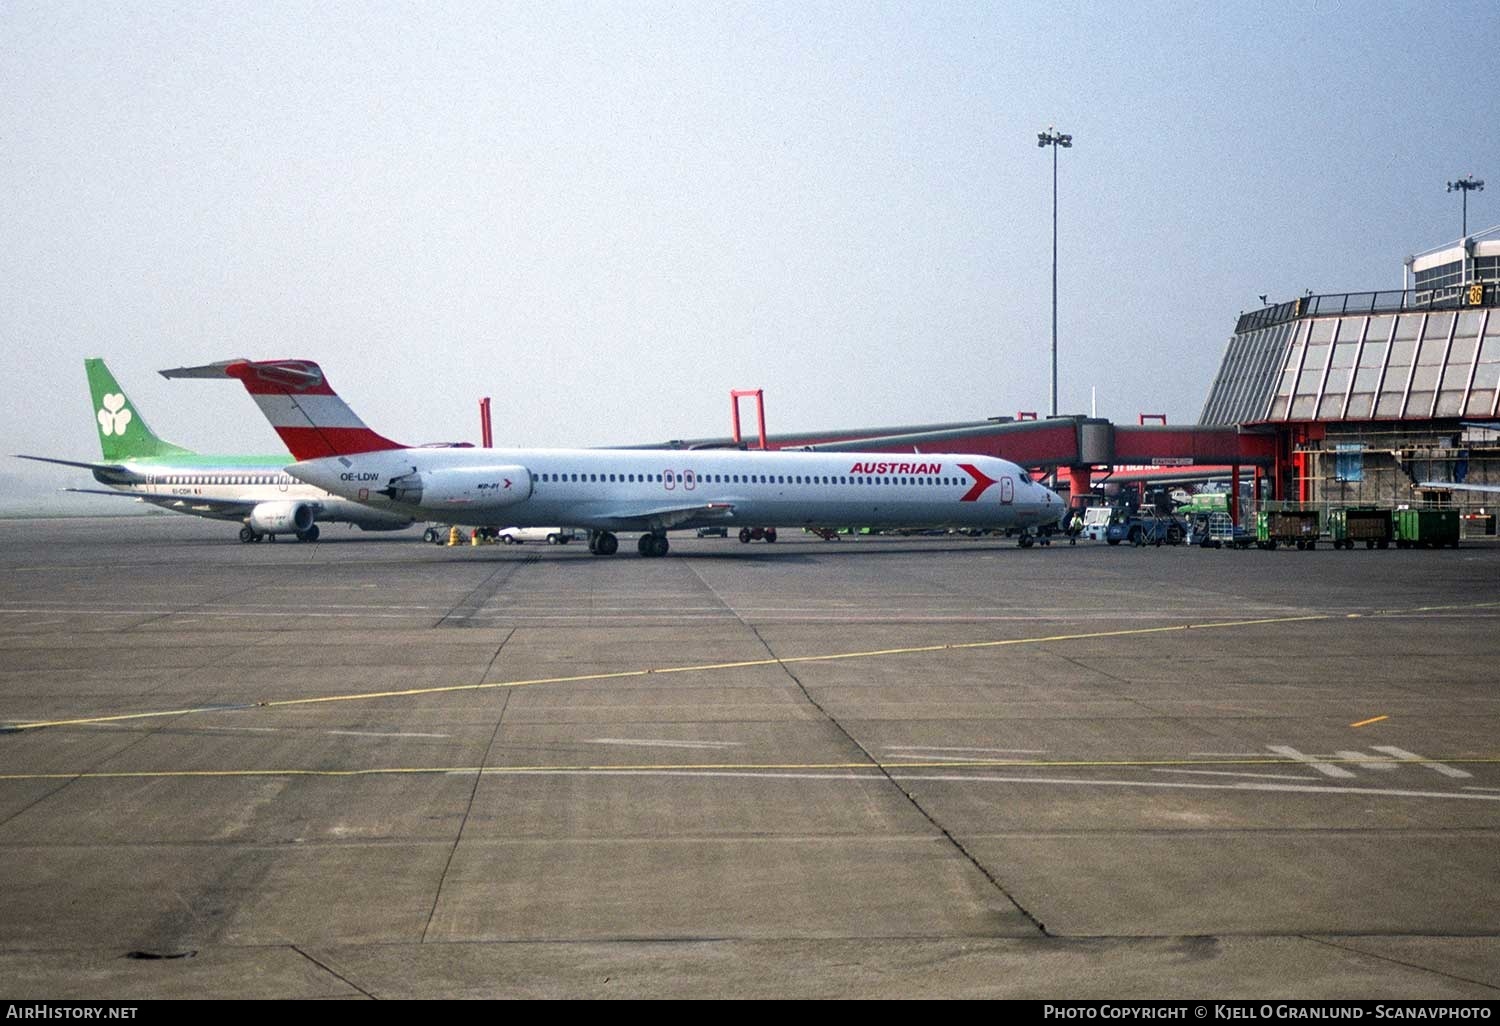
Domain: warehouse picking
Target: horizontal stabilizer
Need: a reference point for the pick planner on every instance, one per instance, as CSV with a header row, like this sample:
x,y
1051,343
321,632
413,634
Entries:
x,y
109,467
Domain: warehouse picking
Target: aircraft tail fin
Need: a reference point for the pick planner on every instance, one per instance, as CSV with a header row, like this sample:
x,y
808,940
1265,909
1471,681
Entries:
x,y
123,432
296,398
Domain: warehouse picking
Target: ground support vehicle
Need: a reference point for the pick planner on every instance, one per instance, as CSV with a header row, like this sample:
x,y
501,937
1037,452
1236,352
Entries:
x,y
749,534
1096,522
1217,531
550,535
1297,527
1146,527
713,532
1352,524
1426,528
439,534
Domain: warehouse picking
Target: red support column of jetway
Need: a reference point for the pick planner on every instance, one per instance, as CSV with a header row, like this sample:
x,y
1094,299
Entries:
x,y
758,394
486,430
1080,481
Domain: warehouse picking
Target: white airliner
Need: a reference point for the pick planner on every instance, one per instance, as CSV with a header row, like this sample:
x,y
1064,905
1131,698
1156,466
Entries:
x,y
253,490
1454,486
611,490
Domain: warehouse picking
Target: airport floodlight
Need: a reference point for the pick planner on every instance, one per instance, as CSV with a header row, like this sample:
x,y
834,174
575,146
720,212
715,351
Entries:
x,y
1466,185
1056,140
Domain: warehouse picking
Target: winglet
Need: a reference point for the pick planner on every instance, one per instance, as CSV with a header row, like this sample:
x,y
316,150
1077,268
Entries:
x,y
296,398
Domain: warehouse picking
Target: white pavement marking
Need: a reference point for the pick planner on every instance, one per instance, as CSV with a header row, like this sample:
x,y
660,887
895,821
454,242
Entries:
x,y
648,743
1436,767
1328,770
1364,761
1229,773
1267,788
380,733
954,748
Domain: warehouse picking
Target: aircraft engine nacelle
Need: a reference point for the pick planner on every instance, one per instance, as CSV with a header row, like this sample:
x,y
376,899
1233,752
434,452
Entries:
x,y
281,517
485,487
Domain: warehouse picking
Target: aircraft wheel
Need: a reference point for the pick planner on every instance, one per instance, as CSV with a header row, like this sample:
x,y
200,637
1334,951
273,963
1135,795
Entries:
x,y
605,544
745,535
247,535
770,534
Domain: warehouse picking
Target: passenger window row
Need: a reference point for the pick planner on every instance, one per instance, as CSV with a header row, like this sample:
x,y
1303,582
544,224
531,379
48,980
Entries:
x,y
221,479
677,478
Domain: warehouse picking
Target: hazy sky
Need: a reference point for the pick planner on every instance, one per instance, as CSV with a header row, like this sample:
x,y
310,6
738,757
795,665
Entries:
x,y
608,215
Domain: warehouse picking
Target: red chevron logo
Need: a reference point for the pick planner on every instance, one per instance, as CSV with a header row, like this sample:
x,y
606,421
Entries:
x,y
981,482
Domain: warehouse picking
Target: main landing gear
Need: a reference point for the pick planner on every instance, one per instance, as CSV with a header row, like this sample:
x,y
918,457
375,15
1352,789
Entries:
x,y
602,543
652,545
248,535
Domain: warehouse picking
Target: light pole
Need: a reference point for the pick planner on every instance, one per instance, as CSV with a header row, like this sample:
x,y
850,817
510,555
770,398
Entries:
x,y
1055,140
1466,186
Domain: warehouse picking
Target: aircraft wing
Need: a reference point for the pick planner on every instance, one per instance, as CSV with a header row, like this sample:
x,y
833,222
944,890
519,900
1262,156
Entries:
x,y
103,491
664,518
218,509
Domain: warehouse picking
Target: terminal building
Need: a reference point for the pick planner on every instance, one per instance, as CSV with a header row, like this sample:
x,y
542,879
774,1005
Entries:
x,y
1380,398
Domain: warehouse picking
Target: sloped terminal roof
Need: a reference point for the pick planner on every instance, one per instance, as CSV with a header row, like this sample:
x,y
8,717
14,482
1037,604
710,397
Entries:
x,y
1386,356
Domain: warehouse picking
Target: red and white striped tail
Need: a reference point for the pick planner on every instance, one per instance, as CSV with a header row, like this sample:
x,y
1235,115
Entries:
x,y
305,411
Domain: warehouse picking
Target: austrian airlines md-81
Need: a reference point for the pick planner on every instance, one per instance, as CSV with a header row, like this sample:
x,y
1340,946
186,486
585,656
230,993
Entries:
x,y
610,490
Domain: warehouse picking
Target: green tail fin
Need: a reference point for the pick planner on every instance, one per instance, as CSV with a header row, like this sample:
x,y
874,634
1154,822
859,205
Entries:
x,y
123,433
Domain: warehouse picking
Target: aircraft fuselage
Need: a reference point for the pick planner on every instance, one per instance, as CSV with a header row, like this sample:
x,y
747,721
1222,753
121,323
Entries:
x,y
624,489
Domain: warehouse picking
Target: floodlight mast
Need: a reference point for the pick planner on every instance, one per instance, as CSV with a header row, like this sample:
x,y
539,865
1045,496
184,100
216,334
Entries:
x,y
1055,140
1466,186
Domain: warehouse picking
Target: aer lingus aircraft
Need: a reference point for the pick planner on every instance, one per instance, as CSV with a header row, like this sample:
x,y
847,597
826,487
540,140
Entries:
x,y
610,490
253,490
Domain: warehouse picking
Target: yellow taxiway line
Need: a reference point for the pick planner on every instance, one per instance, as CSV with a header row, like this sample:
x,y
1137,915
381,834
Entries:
x,y
363,696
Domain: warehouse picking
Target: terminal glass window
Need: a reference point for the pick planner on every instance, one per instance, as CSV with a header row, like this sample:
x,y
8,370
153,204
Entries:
x,y
1486,372
1441,277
